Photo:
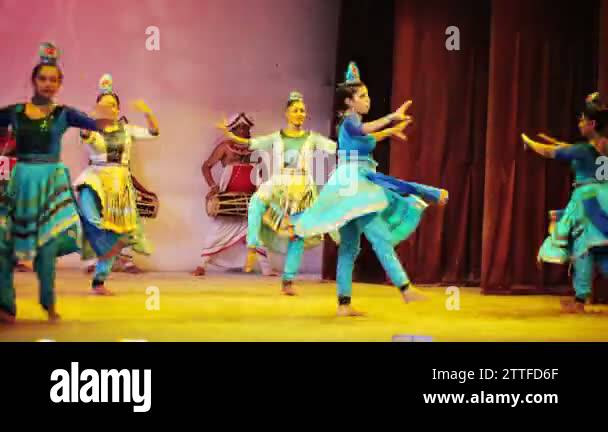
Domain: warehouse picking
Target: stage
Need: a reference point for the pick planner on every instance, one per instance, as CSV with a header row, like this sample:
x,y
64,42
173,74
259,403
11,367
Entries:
x,y
238,307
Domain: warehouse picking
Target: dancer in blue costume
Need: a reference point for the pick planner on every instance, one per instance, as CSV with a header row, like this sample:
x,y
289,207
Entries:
x,y
39,220
290,190
358,200
580,234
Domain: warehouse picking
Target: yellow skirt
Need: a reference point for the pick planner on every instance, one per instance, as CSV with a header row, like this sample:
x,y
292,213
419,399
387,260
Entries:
x,y
117,196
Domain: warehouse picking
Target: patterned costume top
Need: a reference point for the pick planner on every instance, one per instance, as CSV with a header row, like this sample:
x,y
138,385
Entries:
x,y
115,147
40,139
582,157
294,152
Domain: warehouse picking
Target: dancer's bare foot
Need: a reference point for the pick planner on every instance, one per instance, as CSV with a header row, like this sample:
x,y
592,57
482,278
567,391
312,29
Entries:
x,y
288,289
411,295
101,290
53,316
272,273
22,268
6,318
25,266
199,271
570,306
348,311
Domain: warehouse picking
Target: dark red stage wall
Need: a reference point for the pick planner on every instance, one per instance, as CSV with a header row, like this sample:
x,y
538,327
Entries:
x,y
543,62
447,144
523,66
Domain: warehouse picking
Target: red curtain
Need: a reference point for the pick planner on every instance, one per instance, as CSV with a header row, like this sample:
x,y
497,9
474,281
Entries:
x,y
603,55
542,65
446,145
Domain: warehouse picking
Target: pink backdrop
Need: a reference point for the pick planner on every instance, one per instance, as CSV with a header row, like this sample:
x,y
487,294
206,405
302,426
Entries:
x,y
215,57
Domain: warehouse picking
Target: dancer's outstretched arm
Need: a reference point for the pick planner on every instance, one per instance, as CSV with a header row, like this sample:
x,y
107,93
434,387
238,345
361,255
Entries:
x,y
545,150
549,139
223,126
395,131
398,116
265,142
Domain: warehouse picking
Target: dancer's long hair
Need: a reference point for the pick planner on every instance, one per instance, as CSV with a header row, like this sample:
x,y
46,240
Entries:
x,y
343,92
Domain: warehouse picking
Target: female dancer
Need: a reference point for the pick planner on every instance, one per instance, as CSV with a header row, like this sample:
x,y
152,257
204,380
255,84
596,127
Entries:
x,y
290,190
107,196
39,220
581,234
359,200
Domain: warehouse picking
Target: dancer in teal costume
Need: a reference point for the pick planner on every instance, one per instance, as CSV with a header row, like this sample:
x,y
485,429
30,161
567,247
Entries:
x,y
39,219
358,200
580,234
291,189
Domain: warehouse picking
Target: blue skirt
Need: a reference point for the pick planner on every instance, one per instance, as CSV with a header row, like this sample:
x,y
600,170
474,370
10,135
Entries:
x,y
39,207
355,190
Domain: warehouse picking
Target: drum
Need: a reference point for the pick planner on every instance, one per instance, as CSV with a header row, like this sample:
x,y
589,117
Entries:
x,y
147,202
228,204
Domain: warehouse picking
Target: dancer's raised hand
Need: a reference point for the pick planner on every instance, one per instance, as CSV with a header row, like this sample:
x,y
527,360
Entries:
x,y
401,113
397,131
443,197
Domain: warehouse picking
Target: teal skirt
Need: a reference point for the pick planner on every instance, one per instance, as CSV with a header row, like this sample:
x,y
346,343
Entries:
x,y
582,226
350,194
39,207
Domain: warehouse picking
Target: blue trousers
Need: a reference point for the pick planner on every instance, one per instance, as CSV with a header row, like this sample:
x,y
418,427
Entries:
x,y
583,272
295,249
103,268
350,240
90,211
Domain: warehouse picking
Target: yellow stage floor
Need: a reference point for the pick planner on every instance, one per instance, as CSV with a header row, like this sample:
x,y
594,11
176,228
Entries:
x,y
250,308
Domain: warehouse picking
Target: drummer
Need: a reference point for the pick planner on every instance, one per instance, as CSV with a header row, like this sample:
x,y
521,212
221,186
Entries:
x,y
224,243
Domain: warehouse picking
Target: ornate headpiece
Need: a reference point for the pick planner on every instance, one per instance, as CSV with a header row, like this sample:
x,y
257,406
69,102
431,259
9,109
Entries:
x,y
353,76
49,54
295,96
106,84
